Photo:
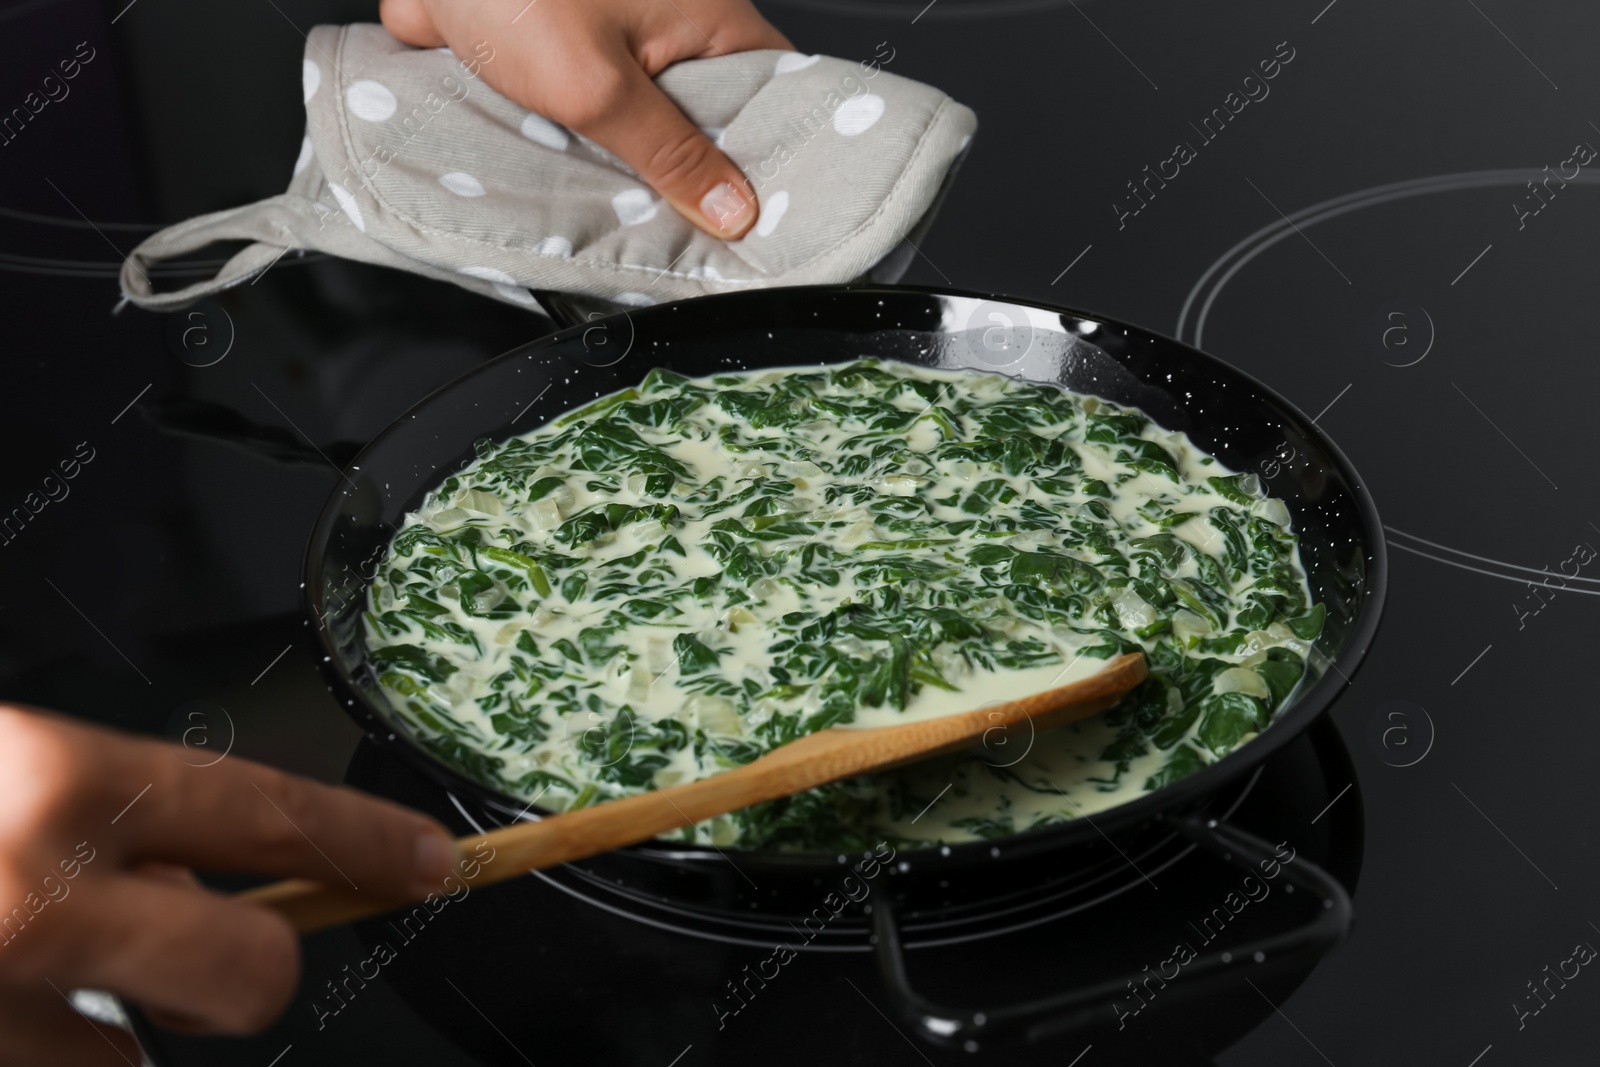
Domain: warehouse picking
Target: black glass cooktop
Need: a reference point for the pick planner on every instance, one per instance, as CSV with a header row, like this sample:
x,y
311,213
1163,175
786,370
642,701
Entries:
x,y
546,961
1395,230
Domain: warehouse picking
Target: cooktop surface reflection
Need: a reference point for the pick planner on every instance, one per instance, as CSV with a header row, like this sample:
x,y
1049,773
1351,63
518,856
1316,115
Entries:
x,y
623,970
1396,232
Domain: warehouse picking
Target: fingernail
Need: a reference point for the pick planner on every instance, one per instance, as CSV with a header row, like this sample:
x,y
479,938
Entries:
x,y
436,857
726,207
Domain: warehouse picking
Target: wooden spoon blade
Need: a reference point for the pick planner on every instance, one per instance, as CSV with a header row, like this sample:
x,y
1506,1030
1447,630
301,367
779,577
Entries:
x,y
805,763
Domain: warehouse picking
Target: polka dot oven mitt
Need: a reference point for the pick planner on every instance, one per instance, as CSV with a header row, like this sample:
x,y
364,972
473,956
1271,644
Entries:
x,y
412,161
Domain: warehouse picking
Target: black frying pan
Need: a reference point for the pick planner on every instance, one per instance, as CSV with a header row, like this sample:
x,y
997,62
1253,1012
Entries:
x,y
1227,413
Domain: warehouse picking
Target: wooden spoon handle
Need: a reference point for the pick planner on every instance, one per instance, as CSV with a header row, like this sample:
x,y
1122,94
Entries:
x,y
807,762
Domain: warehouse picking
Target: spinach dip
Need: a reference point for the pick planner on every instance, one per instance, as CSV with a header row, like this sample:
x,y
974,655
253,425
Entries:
x,y
677,578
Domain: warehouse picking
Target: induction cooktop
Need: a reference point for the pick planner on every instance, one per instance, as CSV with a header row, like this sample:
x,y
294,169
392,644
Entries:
x,y
1396,230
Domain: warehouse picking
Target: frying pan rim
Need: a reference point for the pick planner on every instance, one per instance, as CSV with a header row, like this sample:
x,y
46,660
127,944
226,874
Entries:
x,y
1194,788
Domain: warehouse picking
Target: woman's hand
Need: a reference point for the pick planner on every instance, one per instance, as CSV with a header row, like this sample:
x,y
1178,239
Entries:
x,y
588,65
97,833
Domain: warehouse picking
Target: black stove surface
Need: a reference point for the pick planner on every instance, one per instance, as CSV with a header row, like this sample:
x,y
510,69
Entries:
x,y
580,966
1362,236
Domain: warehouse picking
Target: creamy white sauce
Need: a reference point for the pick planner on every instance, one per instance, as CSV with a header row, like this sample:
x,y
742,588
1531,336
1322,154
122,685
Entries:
x,y
1058,775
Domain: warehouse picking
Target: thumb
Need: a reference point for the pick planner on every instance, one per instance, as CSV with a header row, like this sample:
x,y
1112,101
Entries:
x,y
645,129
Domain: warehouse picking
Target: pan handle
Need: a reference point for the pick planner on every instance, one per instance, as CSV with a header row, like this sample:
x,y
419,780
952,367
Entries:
x,y
189,417
570,309
1057,1013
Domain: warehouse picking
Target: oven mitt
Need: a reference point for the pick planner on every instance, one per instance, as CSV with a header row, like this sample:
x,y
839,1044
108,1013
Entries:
x,y
412,161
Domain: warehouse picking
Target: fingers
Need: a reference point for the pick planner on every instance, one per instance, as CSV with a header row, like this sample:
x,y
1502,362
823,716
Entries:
x,y
589,65
409,21
76,792
647,131
672,34
39,1025
169,874
94,835
243,816
196,958
745,31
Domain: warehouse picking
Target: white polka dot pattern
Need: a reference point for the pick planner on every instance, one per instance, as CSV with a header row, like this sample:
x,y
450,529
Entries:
x,y
541,130
790,62
305,155
462,184
411,157
348,205
503,283
773,208
634,206
370,100
858,114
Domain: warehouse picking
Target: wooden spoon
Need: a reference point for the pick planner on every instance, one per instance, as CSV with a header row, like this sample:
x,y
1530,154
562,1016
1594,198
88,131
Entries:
x,y
816,759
